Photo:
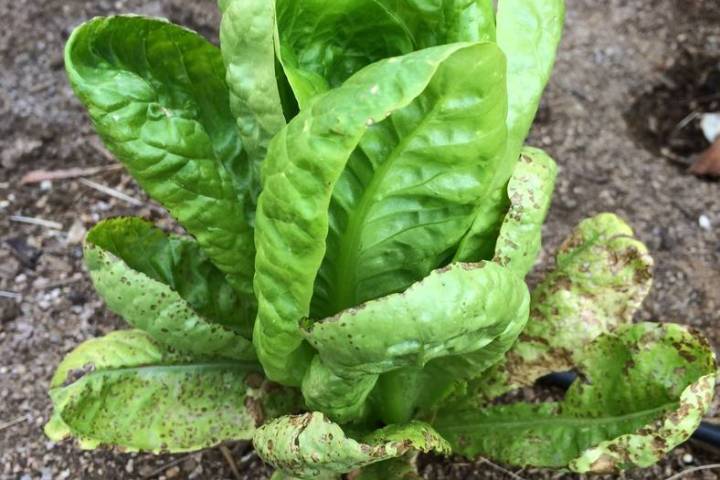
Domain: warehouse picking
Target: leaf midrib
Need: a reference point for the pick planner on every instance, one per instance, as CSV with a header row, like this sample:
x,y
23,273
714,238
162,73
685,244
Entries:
x,y
465,427
119,371
349,244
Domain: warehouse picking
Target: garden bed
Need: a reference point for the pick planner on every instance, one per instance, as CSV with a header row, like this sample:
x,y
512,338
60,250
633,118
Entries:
x,y
618,66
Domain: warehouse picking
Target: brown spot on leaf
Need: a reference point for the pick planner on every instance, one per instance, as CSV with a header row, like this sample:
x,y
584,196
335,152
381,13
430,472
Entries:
x,y
77,373
255,409
604,464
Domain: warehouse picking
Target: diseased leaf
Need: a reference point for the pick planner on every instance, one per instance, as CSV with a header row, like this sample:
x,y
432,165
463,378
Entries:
x,y
517,246
247,39
166,286
642,390
322,44
454,311
311,446
530,192
601,276
293,219
528,32
156,93
411,390
129,391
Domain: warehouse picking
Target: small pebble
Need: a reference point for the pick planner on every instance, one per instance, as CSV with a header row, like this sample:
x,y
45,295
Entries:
x,y
172,472
688,458
705,223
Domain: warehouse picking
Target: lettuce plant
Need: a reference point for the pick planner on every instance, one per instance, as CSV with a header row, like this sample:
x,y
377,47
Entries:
x,y
361,214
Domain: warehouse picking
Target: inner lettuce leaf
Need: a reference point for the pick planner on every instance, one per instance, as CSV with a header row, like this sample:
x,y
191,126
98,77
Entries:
x,y
528,32
455,311
409,191
323,43
425,131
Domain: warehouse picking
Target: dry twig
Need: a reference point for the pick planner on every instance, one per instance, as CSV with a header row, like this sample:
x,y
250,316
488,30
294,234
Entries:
x,y
162,469
11,295
97,145
36,221
64,282
499,468
37,176
12,423
229,459
680,475
111,191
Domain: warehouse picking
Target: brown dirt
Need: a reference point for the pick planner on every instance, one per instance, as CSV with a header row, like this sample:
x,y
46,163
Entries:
x,y
615,61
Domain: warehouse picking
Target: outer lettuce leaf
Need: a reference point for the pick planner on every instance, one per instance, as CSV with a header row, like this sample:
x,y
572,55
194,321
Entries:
x,y
530,192
454,311
601,276
247,35
528,32
129,391
166,286
322,44
293,219
156,93
642,391
311,446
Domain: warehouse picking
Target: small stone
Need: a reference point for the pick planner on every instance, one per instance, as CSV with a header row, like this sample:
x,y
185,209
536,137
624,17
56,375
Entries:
x,y
146,471
45,185
172,472
705,223
9,310
189,465
688,458
710,124
77,232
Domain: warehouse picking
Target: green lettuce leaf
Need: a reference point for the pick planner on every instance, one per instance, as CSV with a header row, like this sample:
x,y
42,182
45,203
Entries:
x,y
166,286
530,193
454,311
322,44
395,469
410,391
601,276
409,191
311,446
129,391
247,39
641,391
293,219
157,96
528,32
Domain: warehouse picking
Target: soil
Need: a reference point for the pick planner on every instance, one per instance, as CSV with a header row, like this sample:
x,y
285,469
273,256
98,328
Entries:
x,y
621,65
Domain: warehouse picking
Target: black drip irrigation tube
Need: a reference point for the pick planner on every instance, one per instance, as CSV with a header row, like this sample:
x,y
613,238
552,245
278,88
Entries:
x,y
706,432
